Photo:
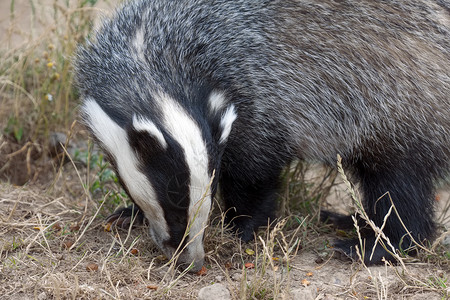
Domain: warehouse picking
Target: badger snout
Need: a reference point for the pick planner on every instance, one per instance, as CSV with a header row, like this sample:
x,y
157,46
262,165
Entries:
x,y
196,264
193,257
187,259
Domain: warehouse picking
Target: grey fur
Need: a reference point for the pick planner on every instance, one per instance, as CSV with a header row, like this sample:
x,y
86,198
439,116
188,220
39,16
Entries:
x,y
369,80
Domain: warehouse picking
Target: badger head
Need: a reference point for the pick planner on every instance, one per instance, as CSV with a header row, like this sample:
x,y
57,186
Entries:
x,y
166,163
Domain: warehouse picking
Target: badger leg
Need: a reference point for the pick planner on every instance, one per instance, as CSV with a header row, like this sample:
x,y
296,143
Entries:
x,y
411,190
340,221
125,216
250,202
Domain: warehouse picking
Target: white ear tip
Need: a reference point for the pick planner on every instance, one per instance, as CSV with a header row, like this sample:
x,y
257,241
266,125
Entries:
x,y
226,122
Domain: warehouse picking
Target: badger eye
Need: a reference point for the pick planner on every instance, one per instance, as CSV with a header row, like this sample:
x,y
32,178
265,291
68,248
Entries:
x,y
178,190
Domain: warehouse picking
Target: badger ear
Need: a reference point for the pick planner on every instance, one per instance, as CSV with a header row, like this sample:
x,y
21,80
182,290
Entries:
x,y
226,122
144,136
222,115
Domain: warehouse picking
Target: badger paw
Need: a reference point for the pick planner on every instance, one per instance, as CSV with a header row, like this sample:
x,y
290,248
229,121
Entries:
x,y
244,227
340,221
348,249
125,217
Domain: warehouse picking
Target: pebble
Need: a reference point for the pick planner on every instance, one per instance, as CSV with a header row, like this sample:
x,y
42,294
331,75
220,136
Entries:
x,y
42,296
215,291
56,140
236,276
446,241
306,293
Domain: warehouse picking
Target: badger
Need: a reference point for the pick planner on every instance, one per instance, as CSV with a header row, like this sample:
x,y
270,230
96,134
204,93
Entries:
x,y
191,97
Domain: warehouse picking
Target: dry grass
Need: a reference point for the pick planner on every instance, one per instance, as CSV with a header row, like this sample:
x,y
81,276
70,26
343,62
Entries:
x,y
36,91
50,239
53,243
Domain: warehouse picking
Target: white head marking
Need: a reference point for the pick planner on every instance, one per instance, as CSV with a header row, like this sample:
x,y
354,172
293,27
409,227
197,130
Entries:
x,y
216,101
115,140
226,122
143,124
187,133
139,43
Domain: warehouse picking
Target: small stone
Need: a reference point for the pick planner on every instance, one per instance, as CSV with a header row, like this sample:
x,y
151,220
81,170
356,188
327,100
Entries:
x,y
42,296
236,276
216,291
56,141
446,241
219,278
319,260
307,293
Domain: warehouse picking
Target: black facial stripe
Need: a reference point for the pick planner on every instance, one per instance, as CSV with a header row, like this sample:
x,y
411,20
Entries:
x,y
168,173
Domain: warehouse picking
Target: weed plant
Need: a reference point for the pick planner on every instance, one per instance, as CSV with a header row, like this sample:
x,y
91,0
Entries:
x,y
36,91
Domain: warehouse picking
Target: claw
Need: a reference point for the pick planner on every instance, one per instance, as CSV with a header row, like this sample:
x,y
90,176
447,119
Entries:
x,y
124,217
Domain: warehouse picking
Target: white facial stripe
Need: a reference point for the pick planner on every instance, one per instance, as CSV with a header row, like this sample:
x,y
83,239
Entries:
x,y
115,140
143,124
226,122
216,101
187,133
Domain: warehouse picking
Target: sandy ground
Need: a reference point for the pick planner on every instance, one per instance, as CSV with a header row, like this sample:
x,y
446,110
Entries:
x,y
51,236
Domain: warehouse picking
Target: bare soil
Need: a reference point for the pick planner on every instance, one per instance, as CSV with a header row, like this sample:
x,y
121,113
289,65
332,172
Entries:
x,y
53,245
